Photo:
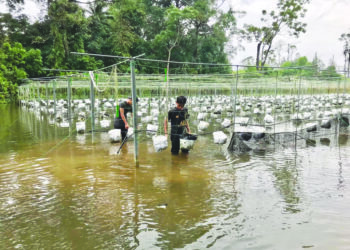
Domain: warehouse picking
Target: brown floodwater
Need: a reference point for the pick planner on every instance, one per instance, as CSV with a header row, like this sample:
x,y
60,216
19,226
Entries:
x,y
62,190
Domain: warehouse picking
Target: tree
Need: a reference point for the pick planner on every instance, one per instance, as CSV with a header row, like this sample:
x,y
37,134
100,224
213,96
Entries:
x,y
177,25
125,26
14,62
345,38
287,16
68,29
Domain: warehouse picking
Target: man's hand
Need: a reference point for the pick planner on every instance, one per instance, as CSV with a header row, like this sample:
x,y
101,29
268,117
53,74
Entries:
x,y
126,126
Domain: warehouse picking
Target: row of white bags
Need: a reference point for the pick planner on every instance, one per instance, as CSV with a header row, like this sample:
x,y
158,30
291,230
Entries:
x,y
160,142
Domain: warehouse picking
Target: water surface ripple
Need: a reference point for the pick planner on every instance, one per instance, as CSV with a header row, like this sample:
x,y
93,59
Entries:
x,y
76,192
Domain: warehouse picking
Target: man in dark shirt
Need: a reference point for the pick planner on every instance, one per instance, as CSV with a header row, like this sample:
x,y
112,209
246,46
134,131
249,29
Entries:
x,y
120,121
177,117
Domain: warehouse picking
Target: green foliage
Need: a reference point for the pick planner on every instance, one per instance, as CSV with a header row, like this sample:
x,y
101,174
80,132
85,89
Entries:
x,y
287,16
179,30
16,64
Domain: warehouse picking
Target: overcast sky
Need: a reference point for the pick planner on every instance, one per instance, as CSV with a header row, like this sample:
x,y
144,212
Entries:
x,y
326,21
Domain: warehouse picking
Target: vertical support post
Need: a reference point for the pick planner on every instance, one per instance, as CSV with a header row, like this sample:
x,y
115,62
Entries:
x,y
47,96
275,109
54,96
92,100
235,100
69,100
298,110
134,107
38,88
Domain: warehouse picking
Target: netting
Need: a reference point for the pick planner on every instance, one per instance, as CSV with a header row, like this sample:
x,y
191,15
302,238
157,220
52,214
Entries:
x,y
257,109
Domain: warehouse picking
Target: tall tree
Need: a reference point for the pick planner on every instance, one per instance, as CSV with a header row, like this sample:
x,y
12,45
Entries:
x,y
345,38
286,17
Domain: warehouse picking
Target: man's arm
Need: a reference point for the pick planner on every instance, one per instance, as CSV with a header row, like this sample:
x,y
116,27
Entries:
x,y
166,126
187,127
123,118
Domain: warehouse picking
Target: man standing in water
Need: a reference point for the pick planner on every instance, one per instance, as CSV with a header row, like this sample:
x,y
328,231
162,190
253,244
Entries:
x,y
177,116
120,121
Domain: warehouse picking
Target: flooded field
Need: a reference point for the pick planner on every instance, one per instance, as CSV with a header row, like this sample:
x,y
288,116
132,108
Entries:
x,y
61,191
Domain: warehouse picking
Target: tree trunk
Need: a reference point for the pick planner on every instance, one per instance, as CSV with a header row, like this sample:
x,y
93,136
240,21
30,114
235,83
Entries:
x,y
195,54
257,63
266,55
167,76
348,64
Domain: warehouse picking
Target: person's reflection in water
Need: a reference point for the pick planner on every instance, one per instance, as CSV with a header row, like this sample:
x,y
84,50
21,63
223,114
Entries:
x,y
185,205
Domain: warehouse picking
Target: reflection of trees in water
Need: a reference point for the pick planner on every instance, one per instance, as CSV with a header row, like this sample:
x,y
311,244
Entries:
x,y
98,201
286,182
186,198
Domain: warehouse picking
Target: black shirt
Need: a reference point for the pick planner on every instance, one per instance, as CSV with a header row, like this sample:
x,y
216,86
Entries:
x,y
127,108
177,118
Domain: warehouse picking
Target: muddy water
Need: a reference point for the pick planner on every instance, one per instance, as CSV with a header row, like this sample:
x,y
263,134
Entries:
x,y
75,192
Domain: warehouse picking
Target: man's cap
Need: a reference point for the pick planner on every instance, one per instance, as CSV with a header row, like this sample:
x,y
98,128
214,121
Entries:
x,y
181,100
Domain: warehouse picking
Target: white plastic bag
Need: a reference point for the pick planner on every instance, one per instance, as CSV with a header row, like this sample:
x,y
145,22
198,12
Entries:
x,y
105,123
152,129
115,135
226,123
203,125
186,144
160,142
202,116
130,133
219,137
80,126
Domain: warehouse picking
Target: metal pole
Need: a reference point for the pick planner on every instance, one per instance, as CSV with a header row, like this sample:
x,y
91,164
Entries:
x,y
46,93
92,100
54,95
38,91
134,107
69,97
235,101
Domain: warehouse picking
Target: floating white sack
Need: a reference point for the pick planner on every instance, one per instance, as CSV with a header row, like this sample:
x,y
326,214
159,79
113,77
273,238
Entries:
x,y
154,112
107,105
268,119
201,116
160,142
130,133
226,123
80,126
195,109
146,119
186,144
203,125
152,129
346,111
115,135
219,137
51,111
64,124
310,127
105,123
81,106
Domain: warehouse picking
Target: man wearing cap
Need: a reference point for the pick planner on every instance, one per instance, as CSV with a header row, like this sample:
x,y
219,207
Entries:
x,y
177,117
120,121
